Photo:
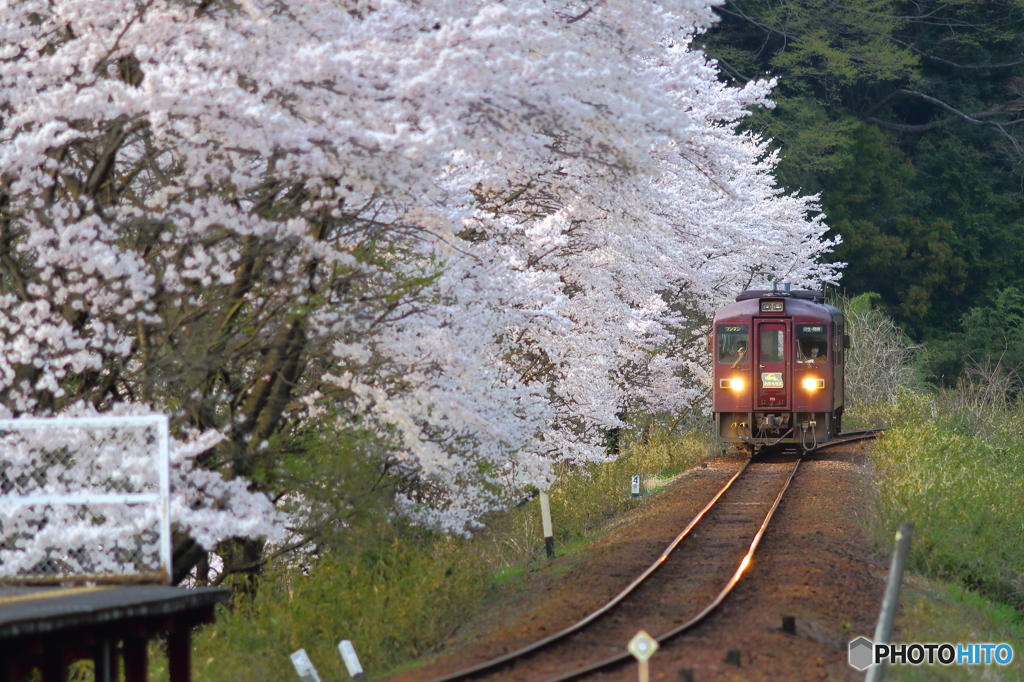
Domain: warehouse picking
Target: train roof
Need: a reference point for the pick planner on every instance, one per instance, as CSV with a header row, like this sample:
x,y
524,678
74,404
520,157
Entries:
x,y
804,294
802,302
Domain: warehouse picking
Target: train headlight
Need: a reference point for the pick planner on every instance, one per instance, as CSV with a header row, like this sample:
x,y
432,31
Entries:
x,y
813,384
736,384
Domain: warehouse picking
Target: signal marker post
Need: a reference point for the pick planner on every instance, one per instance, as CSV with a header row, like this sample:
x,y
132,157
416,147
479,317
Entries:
x,y
636,486
643,646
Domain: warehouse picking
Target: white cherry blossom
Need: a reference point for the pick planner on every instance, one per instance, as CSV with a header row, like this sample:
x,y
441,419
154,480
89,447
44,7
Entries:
x,y
484,227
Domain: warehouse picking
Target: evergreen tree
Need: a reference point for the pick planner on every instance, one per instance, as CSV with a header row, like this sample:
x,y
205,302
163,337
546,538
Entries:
x,y
906,118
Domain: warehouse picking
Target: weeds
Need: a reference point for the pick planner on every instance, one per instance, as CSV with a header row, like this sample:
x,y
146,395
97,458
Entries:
x,y
957,472
952,463
879,362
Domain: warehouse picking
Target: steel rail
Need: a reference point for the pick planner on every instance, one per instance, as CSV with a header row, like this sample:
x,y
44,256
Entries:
x,y
579,625
852,437
744,563
864,432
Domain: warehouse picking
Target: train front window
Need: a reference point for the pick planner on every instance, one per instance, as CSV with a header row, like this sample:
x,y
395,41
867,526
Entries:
x,y
771,345
732,343
811,343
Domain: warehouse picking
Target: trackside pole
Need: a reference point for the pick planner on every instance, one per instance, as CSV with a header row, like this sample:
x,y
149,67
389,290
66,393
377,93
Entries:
x,y
892,595
545,517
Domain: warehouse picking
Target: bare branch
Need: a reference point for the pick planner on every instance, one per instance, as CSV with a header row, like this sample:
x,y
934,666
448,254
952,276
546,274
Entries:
x,y
940,60
974,119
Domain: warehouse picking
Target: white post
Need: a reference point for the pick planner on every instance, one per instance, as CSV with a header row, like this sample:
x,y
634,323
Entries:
x,y
348,655
636,486
545,517
164,437
304,666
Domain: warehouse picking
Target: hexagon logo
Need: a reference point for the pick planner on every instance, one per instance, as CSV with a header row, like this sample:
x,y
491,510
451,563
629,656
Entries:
x,y
861,653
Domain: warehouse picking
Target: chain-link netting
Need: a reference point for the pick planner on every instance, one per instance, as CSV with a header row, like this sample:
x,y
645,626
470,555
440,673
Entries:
x,y
84,499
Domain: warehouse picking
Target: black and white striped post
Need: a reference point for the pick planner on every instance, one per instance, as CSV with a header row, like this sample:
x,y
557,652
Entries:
x,y
545,519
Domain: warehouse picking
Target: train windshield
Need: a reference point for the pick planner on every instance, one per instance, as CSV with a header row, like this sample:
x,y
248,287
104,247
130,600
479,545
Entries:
x,y
732,343
811,343
772,341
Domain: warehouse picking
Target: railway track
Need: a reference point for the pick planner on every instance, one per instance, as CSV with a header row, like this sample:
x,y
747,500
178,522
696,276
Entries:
x,y
684,585
852,437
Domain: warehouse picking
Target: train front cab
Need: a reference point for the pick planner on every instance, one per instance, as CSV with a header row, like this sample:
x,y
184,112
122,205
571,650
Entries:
x,y
778,370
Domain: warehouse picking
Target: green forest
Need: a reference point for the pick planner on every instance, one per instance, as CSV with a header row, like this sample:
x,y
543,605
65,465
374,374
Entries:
x,y
905,118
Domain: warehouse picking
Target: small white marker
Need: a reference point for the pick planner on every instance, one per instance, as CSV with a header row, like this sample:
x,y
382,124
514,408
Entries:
x,y
348,655
304,666
545,520
636,486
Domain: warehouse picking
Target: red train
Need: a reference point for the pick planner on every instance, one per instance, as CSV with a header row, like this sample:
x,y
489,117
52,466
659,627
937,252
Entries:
x,y
779,369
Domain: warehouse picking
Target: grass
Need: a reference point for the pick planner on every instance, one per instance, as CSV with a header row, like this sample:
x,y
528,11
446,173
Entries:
x,y
585,497
940,612
508,574
398,591
393,601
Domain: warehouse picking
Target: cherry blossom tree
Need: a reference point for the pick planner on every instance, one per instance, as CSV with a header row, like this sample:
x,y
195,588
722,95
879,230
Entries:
x,y
473,226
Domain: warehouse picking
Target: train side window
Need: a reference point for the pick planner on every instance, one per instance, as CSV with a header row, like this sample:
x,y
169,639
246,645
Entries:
x,y
733,343
811,343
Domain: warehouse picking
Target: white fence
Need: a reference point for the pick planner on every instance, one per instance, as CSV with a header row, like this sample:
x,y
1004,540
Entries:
x,y
85,499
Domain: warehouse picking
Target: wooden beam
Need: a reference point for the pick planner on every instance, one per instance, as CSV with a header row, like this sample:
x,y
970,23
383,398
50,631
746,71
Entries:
x,y
136,663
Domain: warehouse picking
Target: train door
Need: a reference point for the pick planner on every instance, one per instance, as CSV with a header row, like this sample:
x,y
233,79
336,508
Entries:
x,y
839,353
773,356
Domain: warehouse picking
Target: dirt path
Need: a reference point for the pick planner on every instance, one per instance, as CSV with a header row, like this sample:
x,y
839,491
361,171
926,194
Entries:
x,y
814,564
